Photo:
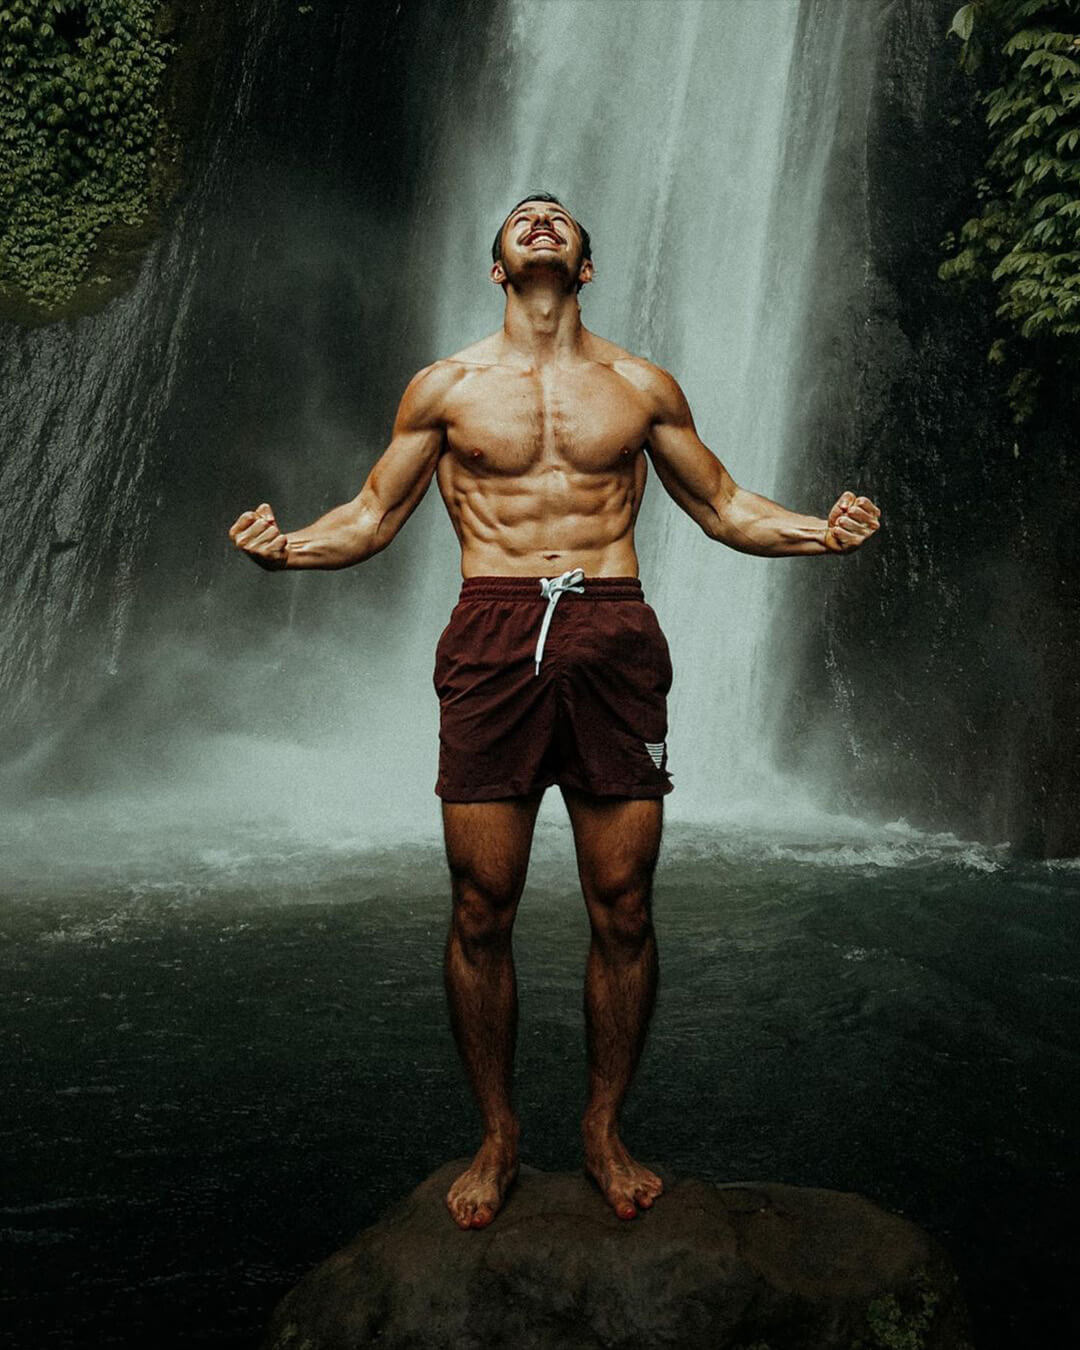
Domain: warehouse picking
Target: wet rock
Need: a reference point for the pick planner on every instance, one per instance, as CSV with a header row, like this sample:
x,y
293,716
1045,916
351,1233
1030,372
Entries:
x,y
732,1267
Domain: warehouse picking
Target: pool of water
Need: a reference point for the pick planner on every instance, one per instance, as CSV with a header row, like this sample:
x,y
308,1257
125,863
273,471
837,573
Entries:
x,y
225,1057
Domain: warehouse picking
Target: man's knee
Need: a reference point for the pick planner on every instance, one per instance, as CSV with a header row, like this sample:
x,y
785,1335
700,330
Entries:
x,y
620,905
484,909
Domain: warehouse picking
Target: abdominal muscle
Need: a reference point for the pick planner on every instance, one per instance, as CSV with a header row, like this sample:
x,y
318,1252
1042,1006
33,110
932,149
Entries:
x,y
544,524
608,561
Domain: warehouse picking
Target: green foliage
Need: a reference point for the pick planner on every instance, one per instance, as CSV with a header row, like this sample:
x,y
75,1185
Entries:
x,y
79,129
1026,239
890,1329
893,1329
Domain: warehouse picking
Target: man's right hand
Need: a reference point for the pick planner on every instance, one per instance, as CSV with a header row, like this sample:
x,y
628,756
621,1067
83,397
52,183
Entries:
x,y
256,533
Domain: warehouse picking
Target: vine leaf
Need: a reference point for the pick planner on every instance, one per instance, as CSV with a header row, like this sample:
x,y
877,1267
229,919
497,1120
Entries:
x,y
963,22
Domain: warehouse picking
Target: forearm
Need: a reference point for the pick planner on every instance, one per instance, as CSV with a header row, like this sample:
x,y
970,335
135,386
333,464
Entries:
x,y
345,535
754,524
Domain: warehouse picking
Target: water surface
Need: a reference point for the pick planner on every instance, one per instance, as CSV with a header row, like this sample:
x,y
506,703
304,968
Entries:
x,y
225,1059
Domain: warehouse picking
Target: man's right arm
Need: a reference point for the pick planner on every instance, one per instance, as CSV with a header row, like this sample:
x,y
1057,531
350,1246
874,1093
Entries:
x,y
354,531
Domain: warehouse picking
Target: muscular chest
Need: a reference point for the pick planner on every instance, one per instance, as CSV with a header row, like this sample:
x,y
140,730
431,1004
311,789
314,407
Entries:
x,y
586,419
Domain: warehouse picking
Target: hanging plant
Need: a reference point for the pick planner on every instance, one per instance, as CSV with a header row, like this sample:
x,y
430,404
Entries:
x,y
1025,241
80,128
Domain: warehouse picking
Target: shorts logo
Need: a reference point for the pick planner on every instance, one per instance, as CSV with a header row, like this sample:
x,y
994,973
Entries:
x,y
656,752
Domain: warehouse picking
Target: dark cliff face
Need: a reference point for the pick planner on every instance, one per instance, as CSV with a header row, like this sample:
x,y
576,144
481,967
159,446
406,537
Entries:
x,y
290,293
939,682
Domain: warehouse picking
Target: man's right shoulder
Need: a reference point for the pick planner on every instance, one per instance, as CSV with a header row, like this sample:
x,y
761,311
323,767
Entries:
x,y
426,393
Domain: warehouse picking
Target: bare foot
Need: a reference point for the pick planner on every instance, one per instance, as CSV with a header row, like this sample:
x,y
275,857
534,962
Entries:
x,y
474,1199
624,1182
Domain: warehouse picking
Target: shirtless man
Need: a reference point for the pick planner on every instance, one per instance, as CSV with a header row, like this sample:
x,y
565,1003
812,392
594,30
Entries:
x,y
552,668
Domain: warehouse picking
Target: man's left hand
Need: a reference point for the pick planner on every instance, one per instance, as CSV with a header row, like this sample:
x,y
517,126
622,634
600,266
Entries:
x,y
851,522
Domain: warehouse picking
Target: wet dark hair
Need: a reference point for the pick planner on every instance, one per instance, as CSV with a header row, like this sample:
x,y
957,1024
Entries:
x,y
586,242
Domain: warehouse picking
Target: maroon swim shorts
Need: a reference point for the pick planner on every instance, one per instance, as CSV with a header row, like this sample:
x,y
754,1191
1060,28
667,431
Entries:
x,y
592,714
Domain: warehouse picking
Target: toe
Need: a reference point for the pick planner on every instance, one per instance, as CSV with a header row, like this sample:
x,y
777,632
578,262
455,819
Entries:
x,y
652,1186
483,1215
458,1211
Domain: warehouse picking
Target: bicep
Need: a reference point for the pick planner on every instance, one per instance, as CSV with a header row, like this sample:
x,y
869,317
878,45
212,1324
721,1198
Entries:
x,y
689,471
402,473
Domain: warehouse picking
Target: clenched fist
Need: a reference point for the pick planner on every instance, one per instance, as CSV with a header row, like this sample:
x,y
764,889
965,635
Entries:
x,y
851,522
257,534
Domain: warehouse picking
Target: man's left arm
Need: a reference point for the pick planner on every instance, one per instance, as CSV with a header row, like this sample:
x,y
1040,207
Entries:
x,y
699,483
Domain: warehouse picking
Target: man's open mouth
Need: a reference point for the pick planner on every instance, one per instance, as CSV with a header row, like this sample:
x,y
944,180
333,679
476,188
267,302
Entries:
x,y
543,234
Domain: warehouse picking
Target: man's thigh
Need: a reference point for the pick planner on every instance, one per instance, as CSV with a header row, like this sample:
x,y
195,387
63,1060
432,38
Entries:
x,y
488,844
617,840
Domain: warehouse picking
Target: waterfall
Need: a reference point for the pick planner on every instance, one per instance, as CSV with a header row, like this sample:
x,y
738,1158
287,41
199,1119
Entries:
x,y
691,141
672,138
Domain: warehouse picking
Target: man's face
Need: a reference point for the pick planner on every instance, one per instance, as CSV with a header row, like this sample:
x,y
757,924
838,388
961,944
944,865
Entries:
x,y
541,236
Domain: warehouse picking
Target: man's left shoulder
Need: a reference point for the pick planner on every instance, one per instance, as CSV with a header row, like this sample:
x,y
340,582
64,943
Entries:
x,y
658,385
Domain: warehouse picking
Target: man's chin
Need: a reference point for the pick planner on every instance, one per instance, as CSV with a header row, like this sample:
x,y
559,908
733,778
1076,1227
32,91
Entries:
x,y
541,267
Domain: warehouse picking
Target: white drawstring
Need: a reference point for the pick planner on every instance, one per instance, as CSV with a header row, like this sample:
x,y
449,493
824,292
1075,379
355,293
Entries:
x,y
550,590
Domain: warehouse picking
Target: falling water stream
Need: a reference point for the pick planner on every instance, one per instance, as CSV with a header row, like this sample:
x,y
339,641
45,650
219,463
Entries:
x,y
701,235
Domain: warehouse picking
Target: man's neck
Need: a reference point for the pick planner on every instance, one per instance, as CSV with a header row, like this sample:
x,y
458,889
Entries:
x,y
542,323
